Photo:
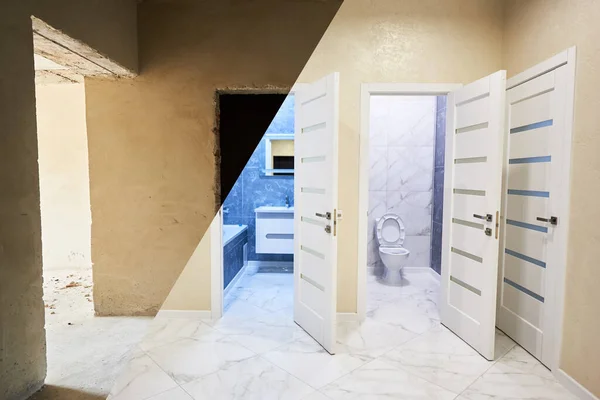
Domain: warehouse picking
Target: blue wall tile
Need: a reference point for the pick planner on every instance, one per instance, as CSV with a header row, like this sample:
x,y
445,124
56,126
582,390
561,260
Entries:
x,y
438,184
253,189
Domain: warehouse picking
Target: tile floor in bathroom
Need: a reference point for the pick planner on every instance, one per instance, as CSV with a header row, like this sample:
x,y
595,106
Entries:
x,y
257,352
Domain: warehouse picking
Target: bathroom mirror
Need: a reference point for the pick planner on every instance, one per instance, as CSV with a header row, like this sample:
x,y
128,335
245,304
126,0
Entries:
x,y
279,154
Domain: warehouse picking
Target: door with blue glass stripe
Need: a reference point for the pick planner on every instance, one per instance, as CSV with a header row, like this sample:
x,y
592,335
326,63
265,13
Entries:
x,y
531,224
472,198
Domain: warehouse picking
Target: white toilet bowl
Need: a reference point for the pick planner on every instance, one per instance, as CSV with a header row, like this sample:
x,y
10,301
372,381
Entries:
x,y
390,235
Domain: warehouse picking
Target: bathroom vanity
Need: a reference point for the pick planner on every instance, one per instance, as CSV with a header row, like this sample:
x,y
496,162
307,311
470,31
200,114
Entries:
x,y
274,230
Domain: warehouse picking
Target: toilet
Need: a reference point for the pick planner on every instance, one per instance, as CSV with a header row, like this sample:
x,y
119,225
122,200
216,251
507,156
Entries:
x,y
390,235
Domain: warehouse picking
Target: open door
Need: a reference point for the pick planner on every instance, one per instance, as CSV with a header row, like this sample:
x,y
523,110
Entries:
x,y
472,198
315,204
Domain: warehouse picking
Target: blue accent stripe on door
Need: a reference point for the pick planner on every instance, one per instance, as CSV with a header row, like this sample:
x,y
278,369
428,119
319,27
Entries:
x,y
530,160
524,290
525,258
532,193
529,127
527,226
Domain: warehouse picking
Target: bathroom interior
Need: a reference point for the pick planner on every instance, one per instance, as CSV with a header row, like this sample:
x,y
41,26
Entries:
x,y
406,180
258,225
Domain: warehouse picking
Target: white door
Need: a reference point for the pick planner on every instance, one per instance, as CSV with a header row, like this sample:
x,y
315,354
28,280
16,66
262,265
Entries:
x,y
315,205
472,199
538,160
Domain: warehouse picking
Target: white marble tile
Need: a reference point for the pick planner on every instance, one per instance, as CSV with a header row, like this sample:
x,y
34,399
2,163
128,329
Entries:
x,y
379,380
173,394
264,333
309,362
370,338
517,376
410,169
377,208
241,310
252,379
420,251
407,315
141,379
168,330
378,167
440,357
414,208
316,395
188,359
412,120
272,298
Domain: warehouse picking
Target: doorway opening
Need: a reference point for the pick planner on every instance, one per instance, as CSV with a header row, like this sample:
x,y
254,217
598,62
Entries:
x,y
258,206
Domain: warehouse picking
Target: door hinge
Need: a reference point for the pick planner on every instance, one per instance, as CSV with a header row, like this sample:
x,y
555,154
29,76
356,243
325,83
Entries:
x,y
335,217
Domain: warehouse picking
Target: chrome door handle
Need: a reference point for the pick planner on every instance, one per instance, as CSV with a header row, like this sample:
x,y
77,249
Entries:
x,y
486,217
327,215
552,220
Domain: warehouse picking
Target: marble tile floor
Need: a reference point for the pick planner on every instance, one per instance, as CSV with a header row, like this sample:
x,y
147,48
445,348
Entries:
x,y
256,351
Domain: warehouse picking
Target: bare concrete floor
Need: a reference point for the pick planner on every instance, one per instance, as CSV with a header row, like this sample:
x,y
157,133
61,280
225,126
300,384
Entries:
x,y
85,353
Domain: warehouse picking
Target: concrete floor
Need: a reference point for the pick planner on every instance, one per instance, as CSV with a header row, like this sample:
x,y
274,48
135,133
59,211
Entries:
x,y
85,353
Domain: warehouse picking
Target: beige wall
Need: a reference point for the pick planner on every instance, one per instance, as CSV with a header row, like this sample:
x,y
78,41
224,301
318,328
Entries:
x,y
534,31
64,178
391,41
396,41
151,139
108,25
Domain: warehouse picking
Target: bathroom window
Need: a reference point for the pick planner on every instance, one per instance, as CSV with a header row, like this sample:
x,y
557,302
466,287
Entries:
x,y
279,154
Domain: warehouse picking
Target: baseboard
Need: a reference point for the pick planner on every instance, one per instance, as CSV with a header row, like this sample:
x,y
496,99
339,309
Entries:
x,y
347,317
436,277
573,386
185,314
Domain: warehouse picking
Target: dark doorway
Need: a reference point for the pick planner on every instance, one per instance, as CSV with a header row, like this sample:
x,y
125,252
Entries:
x,y
242,122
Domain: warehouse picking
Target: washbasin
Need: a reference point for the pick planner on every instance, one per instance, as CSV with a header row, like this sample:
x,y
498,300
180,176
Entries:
x,y
274,209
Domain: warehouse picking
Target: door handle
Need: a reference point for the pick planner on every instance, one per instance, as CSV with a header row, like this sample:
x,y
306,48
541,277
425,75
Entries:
x,y
327,215
552,220
486,217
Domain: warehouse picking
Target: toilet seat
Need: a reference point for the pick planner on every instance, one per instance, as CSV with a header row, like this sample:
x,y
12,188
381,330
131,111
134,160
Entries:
x,y
395,251
390,231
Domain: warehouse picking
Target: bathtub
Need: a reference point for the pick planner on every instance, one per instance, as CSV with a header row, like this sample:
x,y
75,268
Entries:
x,y
235,239
230,232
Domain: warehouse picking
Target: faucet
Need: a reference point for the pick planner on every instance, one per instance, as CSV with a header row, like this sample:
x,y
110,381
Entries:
x,y
287,201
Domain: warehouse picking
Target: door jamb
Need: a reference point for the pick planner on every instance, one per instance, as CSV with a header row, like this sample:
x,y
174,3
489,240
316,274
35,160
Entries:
x,y
216,247
568,58
368,90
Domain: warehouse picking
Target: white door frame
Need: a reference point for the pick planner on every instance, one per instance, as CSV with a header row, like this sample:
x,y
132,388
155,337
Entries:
x,y
216,250
566,58
368,90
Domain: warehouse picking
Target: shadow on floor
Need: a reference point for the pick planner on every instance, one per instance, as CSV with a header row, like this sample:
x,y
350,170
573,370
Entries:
x,y
50,392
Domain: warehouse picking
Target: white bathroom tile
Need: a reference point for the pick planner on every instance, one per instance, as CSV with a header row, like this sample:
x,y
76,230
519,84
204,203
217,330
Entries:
x,y
141,379
173,394
370,338
440,357
378,169
379,380
264,333
420,251
413,316
414,208
517,376
188,359
167,330
309,362
316,395
413,120
410,169
377,208
252,379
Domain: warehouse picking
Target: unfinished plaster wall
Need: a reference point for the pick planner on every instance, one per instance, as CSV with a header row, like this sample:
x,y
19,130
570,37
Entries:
x,y
64,178
534,31
151,140
109,26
